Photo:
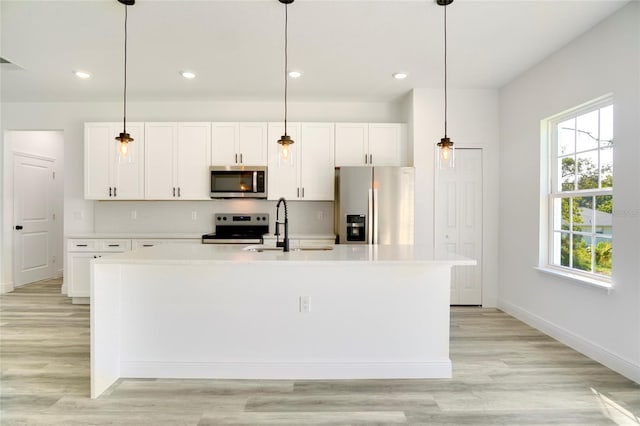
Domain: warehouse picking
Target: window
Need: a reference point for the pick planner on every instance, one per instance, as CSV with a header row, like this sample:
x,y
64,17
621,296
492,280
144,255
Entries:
x,y
581,190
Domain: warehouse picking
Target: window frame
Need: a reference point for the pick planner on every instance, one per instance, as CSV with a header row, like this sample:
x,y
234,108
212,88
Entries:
x,y
553,191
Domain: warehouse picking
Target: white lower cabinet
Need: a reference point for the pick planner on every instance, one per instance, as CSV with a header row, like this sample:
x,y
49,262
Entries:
x,y
79,255
80,252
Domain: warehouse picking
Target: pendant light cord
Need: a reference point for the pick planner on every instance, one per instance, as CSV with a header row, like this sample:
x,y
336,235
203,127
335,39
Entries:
x,y
124,121
286,63
445,71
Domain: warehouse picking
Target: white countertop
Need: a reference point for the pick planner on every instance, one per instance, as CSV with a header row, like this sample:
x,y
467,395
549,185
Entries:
x,y
294,236
133,235
198,254
159,235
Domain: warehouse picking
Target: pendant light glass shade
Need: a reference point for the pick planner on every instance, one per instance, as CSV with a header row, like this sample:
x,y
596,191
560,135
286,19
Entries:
x,y
446,152
124,138
285,140
123,147
285,150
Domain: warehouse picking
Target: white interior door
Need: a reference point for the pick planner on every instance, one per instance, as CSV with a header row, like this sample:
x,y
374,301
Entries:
x,y
458,220
33,219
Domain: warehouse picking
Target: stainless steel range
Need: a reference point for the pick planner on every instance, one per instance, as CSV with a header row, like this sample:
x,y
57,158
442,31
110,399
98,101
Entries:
x,y
238,228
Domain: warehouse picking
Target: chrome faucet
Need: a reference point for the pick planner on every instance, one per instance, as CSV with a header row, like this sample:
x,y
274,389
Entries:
x,y
285,243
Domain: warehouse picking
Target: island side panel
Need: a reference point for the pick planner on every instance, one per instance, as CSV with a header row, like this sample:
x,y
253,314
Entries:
x,y
105,327
243,320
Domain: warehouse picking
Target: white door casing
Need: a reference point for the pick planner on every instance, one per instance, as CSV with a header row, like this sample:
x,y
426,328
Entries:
x,y
34,212
458,222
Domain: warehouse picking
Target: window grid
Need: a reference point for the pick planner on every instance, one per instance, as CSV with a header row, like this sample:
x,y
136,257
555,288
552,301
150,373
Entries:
x,y
580,198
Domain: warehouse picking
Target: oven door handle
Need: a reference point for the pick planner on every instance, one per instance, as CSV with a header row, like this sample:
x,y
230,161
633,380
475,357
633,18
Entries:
x,y
255,181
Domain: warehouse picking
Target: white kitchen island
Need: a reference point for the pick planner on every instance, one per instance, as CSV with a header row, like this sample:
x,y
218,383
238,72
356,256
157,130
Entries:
x,y
217,311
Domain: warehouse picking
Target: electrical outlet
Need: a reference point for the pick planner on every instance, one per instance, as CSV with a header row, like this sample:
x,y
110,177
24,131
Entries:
x,y
305,304
134,215
194,215
320,215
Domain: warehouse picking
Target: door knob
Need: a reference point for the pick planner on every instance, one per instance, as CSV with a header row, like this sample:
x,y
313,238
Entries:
x,y
18,227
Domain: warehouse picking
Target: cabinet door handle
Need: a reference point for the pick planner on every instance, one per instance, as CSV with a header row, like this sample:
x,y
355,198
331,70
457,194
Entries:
x,y
81,245
236,158
366,159
178,191
114,245
18,227
303,192
240,158
174,191
298,193
109,191
370,158
115,191
147,245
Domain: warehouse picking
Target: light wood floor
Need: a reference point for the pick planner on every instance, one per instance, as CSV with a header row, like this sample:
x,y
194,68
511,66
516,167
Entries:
x,y
505,373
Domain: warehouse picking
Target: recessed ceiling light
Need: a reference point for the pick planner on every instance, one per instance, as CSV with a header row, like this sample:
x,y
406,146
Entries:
x,y
400,75
82,74
188,74
295,74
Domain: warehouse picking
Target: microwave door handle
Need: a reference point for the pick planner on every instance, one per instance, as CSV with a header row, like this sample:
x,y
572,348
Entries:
x,y
255,181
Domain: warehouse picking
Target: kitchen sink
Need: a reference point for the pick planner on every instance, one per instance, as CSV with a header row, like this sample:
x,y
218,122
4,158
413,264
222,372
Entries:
x,y
261,248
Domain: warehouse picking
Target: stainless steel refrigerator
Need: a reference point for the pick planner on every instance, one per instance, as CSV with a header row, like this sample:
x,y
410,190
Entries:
x,y
375,205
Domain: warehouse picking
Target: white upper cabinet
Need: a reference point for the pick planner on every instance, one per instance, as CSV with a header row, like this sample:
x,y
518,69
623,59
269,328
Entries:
x,y
194,152
177,161
309,173
370,144
106,176
317,168
239,144
282,176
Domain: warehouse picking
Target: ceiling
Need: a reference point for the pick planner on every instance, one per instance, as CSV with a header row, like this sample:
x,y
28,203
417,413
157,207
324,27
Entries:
x,y
346,49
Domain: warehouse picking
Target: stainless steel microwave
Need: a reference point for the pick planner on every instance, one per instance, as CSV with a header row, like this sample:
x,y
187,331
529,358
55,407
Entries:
x,y
238,182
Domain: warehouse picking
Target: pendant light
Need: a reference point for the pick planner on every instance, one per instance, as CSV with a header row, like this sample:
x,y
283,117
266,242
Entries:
x,y
124,138
285,140
445,146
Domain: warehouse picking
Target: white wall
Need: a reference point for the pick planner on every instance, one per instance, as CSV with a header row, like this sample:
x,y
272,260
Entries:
x,y
604,326
70,117
472,123
46,143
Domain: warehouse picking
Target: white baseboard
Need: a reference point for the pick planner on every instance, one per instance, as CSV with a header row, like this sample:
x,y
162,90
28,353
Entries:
x,y
288,371
596,352
6,287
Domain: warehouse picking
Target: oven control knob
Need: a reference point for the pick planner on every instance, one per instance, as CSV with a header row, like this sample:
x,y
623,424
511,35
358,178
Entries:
x,y
219,218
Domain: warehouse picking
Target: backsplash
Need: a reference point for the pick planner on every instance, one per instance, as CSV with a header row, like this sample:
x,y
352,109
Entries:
x,y
305,217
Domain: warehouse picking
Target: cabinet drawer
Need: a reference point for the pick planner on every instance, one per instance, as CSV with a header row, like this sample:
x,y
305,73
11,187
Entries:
x,y
115,245
82,245
138,244
317,242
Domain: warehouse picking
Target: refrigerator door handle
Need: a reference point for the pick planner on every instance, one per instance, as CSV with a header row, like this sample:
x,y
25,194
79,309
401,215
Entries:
x,y
370,218
375,217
